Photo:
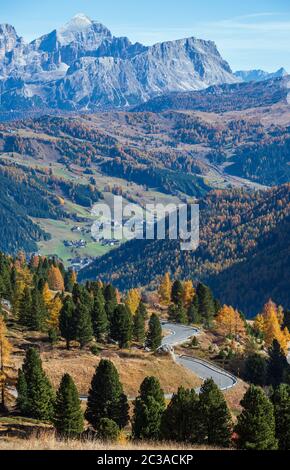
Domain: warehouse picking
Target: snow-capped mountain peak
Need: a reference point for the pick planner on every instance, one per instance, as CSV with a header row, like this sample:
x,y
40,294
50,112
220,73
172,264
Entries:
x,y
83,66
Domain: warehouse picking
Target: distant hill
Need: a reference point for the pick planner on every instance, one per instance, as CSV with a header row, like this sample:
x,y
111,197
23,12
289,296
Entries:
x,y
222,98
237,230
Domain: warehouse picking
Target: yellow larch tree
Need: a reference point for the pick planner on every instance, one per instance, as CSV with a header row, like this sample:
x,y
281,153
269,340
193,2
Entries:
x,y
229,322
259,324
5,351
164,290
54,309
188,293
47,295
271,326
133,300
55,279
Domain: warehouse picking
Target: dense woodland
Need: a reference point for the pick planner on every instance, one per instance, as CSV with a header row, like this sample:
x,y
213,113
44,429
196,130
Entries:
x,y
238,229
44,297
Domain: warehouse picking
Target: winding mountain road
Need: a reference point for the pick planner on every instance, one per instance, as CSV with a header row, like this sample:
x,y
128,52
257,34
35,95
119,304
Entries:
x,y
179,334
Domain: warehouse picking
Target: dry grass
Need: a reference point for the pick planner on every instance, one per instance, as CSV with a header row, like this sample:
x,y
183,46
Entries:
x,y
48,441
132,367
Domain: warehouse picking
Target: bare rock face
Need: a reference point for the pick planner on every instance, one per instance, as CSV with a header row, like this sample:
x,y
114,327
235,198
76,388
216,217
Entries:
x,y
82,66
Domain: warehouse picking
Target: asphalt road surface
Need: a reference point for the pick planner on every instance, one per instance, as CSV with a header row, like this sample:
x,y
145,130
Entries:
x,y
179,334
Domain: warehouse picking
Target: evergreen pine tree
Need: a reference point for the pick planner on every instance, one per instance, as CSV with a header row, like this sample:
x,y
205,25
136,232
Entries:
x,y
108,430
24,308
67,324
139,327
177,292
38,311
111,302
40,395
207,308
215,424
193,312
256,369
281,402
148,410
84,329
179,420
142,310
121,326
154,335
277,364
106,399
22,393
99,317
68,417
181,316
172,313
256,424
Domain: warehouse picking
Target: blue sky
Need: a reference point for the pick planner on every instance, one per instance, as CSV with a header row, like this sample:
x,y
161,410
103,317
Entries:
x,y
253,34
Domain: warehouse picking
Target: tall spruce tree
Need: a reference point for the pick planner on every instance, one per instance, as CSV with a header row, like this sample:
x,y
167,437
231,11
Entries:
x,y
22,393
215,424
181,316
38,312
148,410
179,420
281,401
139,327
99,317
106,398
111,302
24,307
177,292
38,396
68,417
277,365
67,321
121,326
256,424
142,310
256,369
193,312
84,329
206,304
154,335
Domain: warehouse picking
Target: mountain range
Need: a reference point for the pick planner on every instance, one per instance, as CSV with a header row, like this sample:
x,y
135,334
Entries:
x,y
259,75
82,66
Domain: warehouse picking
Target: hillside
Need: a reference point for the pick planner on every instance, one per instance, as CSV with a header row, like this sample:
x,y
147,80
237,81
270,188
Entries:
x,y
235,226
221,98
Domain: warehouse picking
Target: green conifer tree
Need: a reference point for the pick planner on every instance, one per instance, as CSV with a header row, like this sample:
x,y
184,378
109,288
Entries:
x,y
207,308
215,424
154,335
38,396
121,326
68,417
84,328
139,327
277,365
256,424
106,398
177,292
281,402
179,420
149,407
99,317
67,321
